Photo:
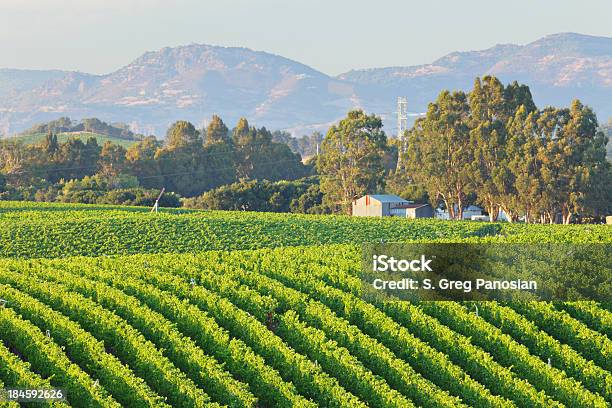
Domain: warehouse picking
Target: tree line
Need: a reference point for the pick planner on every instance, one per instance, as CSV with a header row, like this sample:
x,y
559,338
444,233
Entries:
x,y
491,146
188,163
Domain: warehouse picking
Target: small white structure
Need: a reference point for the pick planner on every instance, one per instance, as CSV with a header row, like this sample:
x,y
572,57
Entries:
x,y
501,216
468,212
480,218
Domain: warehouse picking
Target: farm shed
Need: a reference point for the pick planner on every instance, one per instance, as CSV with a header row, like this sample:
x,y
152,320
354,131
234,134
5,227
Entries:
x,y
412,210
388,205
376,205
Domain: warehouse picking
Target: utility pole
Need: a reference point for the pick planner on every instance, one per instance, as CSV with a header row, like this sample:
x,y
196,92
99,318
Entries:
x,y
156,205
402,126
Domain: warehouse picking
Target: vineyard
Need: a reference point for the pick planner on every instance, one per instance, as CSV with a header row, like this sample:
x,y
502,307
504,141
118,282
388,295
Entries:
x,y
122,307
35,230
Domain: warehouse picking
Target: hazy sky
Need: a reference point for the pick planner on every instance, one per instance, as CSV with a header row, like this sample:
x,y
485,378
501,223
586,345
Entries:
x,y
99,36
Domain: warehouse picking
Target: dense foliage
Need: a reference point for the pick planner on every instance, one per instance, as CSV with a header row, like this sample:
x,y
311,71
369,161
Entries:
x,y
98,189
607,129
189,163
493,146
299,196
306,146
98,232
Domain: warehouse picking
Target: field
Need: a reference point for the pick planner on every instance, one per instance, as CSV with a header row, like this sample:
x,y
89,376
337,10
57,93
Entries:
x,y
123,307
63,137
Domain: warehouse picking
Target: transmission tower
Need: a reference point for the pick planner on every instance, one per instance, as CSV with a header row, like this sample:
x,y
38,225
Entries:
x,y
402,115
402,126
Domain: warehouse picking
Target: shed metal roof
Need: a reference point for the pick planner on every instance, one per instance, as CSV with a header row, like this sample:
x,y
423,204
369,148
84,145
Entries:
x,y
409,206
387,198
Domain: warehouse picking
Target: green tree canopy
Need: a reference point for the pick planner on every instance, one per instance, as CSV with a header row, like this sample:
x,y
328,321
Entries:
x,y
440,155
141,162
182,134
351,160
494,146
216,131
112,159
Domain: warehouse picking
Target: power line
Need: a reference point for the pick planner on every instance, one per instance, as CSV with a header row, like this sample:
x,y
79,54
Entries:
x,y
217,169
162,175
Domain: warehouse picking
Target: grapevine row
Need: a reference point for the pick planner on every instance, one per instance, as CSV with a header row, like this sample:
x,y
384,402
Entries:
x,y
510,353
477,363
337,361
592,314
48,359
11,404
17,373
380,359
204,370
428,361
239,358
546,347
85,350
593,377
309,378
591,344
106,232
553,382
126,342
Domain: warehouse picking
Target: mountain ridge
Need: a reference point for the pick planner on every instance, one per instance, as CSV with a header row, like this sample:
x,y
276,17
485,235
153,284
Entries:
x,y
196,80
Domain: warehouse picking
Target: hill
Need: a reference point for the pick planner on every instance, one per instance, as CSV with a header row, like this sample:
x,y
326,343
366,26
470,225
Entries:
x,y
192,82
64,136
65,128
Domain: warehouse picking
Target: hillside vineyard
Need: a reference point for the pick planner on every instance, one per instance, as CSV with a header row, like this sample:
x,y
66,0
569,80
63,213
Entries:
x,y
121,307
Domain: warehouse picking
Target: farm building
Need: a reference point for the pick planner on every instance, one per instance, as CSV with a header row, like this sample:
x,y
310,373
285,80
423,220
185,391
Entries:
x,y
388,205
412,210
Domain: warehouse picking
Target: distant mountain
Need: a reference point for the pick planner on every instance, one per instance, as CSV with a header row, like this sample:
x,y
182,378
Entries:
x,y
192,82
14,81
557,68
